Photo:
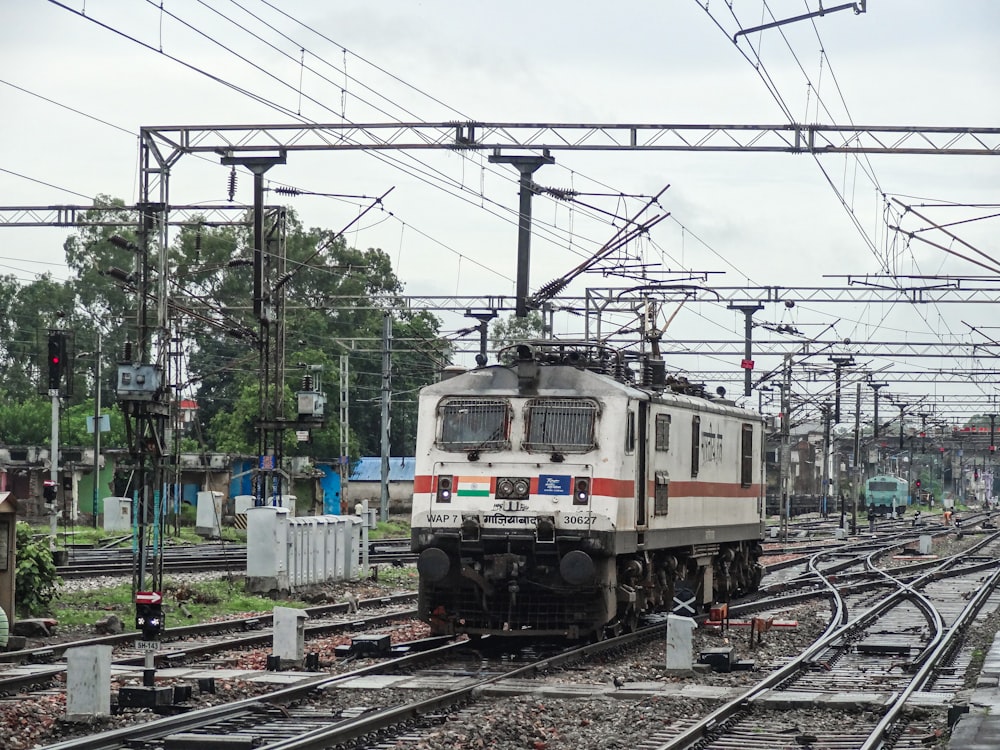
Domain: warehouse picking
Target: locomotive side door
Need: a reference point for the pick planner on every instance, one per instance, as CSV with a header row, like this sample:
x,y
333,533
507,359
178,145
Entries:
x,y
642,465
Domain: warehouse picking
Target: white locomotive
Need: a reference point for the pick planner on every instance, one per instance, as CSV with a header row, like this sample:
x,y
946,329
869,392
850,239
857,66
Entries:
x,y
556,497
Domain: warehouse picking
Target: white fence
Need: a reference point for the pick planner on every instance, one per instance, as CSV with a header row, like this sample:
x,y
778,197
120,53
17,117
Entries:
x,y
285,553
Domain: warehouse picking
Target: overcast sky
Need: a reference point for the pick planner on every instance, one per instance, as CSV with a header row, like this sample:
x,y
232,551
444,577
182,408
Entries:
x,y
78,80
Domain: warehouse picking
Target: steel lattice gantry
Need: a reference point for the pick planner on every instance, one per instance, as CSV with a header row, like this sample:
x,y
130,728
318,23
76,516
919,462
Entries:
x,y
170,142
163,146
109,216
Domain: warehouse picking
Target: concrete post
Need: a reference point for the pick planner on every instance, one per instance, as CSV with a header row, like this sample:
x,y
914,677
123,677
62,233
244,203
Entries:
x,y
925,543
289,634
680,643
208,522
88,682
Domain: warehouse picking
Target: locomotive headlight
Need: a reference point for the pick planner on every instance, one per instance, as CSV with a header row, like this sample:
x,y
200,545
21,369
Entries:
x,y
513,488
581,491
505,489
444,489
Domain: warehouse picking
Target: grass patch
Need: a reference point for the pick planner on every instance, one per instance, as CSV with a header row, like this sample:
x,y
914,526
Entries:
x,y
394,528
206,600
87,536
976,661
405,578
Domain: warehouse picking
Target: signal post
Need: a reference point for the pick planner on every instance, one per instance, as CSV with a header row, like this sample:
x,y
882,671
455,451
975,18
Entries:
x,y
58,364
149,621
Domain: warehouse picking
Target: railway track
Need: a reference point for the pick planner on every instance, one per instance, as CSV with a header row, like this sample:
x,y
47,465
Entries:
x,y
882,651
186,644
893,644
211,556
357,708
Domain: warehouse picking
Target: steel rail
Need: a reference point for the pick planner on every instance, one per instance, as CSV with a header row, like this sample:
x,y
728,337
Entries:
x,y
888,724
363,726
210,628
369,725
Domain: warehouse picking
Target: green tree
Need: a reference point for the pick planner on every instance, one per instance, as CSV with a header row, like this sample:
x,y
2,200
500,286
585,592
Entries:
x,y
512,330
31,310
102,300
336,297
25,421
73,426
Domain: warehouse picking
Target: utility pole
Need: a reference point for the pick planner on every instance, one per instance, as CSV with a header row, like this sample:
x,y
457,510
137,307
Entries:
x,y
526,165
857,460
269,428
484,319
875,387
54,465
786,401
826,458
97,427
58,370
988,491
839,362
386,418
345,449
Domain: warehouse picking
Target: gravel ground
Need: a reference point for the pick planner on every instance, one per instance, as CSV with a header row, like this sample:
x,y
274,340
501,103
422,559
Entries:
x,y
647,662
610,720
37,719
559,724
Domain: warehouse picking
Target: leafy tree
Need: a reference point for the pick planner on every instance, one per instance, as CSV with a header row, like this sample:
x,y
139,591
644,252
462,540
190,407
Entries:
x,y
512,330
336,298
102,301
25,421
335,305
31,309
73,426
233,428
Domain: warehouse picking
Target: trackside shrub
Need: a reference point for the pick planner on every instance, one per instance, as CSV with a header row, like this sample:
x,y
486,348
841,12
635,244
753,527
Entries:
x,y
35,578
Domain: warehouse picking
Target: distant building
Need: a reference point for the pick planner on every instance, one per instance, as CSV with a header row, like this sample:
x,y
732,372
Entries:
x,y
187,413
365,483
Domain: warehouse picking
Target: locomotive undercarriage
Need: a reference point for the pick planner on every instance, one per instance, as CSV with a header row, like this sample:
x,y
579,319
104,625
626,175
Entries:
x,y
515,586
683,580
520,588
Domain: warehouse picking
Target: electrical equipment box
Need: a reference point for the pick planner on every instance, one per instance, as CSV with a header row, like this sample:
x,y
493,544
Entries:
x,y
311,404
139,382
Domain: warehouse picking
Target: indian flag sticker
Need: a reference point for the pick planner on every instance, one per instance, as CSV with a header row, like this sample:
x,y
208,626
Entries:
x,y
472,486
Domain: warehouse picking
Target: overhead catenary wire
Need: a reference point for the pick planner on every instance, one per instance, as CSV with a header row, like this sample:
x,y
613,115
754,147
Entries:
x,y
869,170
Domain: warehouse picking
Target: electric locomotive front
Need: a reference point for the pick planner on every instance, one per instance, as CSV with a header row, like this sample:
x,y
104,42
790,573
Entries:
x,y
514,529
888,494
550,498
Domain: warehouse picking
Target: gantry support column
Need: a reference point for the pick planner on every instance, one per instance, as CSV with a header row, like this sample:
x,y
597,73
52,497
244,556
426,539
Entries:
x,y
526,165
747,364
269,435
